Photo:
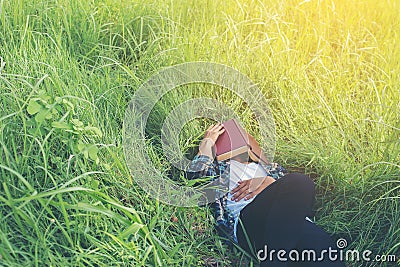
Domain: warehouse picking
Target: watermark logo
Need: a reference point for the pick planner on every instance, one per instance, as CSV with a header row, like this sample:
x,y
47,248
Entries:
x,y
337,253
341,243
153,180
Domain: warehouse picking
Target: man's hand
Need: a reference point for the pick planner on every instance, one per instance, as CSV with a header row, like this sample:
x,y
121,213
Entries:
x,y
210,137
214,131
250,188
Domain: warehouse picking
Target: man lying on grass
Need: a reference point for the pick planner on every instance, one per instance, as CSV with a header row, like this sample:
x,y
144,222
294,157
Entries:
x,y
266,210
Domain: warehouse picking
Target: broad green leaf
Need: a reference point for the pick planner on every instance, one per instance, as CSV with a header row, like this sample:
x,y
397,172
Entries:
x,y
93,152
94,184
36,131
61,125
49,115
77,122
54,111
94,130
107,166
81,146
41,115
44,96
33,107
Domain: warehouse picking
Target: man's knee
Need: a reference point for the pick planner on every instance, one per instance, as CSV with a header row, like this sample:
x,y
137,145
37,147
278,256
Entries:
x,y
299,181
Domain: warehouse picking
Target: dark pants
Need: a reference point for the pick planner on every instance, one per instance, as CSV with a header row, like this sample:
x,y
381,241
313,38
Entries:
x,y
275,220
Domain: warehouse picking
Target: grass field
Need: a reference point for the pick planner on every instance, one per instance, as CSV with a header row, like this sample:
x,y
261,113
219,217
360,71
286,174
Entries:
x,y
68,69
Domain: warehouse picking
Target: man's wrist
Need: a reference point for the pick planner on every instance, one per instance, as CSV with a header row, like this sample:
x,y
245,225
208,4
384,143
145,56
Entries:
x,y
208,140
206,147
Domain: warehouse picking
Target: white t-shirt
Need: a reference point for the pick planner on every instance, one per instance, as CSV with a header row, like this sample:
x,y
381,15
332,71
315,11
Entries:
x,y
240,172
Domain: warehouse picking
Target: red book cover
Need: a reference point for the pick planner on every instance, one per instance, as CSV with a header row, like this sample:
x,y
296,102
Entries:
x,y
232,142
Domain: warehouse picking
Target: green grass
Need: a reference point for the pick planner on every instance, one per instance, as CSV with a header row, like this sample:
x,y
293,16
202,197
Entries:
x,y
68,69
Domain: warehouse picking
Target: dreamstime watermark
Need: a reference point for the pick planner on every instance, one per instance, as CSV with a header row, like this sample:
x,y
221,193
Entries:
x,y
145,99
330,254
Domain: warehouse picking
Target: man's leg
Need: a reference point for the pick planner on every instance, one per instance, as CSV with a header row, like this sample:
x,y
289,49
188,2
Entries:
x,y
275,217
316,248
